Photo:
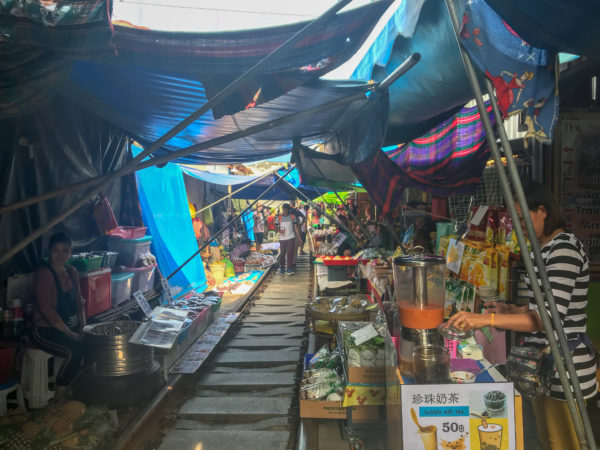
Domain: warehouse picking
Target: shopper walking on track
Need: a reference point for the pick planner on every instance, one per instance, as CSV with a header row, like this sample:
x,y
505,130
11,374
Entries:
x,y
259,227
304,227
287,225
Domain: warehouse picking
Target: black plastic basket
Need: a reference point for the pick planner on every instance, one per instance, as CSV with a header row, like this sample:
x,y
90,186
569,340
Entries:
x,y
108,258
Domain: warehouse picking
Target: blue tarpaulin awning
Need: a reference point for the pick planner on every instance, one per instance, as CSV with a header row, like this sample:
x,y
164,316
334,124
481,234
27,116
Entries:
x,y
279,192
147,103
217,178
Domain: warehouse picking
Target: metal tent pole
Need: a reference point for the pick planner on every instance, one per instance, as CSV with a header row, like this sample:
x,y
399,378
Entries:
x,y
228,224
348,211
577,416
315,206
218,98
234,192
543,275
173,155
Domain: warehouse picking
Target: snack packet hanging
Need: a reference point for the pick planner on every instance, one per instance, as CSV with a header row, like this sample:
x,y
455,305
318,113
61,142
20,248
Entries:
x,y
503,271
466,262
505,227
455,290
476,269
491,228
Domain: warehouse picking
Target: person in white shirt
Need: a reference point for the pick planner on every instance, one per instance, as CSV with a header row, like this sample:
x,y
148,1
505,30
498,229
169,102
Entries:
x,y
259,227
287,225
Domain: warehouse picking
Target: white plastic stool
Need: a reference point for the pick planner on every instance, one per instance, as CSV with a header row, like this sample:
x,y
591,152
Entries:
x,y
271,236
7,389
35,378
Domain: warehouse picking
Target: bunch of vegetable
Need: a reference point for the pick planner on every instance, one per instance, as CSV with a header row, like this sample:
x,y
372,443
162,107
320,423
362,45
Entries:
x,y
320,383
367,354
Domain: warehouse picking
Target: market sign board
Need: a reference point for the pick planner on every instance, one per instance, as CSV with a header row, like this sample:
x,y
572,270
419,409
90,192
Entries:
x,y
578,144
477,416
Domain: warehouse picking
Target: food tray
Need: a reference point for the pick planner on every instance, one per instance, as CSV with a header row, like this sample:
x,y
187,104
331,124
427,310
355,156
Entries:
x,y
128,232
86,262
331,261
314,315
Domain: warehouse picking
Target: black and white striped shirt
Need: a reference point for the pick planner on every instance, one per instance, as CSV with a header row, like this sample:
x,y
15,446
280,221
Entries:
x,y
567,266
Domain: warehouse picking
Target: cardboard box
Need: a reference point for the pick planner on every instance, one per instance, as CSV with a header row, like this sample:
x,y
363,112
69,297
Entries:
x,y
369,375
321,409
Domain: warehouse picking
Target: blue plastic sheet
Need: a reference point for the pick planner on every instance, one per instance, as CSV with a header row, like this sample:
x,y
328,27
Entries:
x,y
218,178
293,177
165,212
249,224
147,103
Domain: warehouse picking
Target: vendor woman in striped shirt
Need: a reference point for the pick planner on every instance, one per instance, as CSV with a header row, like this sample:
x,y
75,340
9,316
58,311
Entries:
x,y
567,266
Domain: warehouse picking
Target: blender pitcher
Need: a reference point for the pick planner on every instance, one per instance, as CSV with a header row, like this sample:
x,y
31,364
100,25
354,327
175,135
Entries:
x,y
419,283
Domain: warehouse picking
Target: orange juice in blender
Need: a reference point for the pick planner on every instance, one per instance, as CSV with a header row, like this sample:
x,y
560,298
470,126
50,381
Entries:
x,y
420,293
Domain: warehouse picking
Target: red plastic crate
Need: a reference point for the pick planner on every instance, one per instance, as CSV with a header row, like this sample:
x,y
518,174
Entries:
x,y
128,232
95,288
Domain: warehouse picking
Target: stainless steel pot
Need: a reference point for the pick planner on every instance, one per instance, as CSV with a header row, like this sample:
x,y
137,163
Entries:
x,y
111,353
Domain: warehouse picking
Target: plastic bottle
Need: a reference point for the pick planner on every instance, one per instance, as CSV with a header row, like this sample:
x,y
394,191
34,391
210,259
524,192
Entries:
x,y
17,308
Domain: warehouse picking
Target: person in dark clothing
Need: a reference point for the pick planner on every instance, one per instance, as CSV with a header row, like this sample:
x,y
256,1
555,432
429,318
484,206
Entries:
x,y
58,316
304,227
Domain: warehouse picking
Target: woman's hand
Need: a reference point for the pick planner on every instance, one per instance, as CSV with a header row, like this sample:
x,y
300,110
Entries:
x,y
75,336
466,321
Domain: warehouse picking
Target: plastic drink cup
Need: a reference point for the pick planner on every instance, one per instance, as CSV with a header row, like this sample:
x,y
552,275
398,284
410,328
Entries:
x,y
429,437
490,436
432,364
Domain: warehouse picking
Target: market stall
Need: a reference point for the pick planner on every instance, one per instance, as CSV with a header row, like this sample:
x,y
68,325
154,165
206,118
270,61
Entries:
x,y
372,350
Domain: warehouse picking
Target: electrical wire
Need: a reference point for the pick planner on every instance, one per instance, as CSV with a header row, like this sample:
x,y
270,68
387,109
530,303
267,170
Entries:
x,y
195,8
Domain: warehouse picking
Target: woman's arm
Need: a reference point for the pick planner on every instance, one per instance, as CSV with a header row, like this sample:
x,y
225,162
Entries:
x,y
466,321
45,294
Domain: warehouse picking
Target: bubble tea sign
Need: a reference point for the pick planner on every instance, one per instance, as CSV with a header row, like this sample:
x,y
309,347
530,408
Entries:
x,y
478,416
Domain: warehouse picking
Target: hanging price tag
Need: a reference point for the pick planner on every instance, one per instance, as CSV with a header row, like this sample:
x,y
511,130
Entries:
x,y
141,300
454,255
338,239
166,290
478,216
364,334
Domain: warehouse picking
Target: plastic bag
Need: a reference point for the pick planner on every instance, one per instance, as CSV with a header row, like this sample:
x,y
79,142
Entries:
x,y
229,269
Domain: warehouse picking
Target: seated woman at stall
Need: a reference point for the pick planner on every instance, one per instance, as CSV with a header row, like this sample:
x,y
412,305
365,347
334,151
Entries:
x,y
59,317
567,266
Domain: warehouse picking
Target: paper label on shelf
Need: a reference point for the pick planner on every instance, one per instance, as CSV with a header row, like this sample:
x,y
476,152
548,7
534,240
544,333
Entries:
x,y
364,334
338,239
141,300
449,416
478,216
454,255
168,296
